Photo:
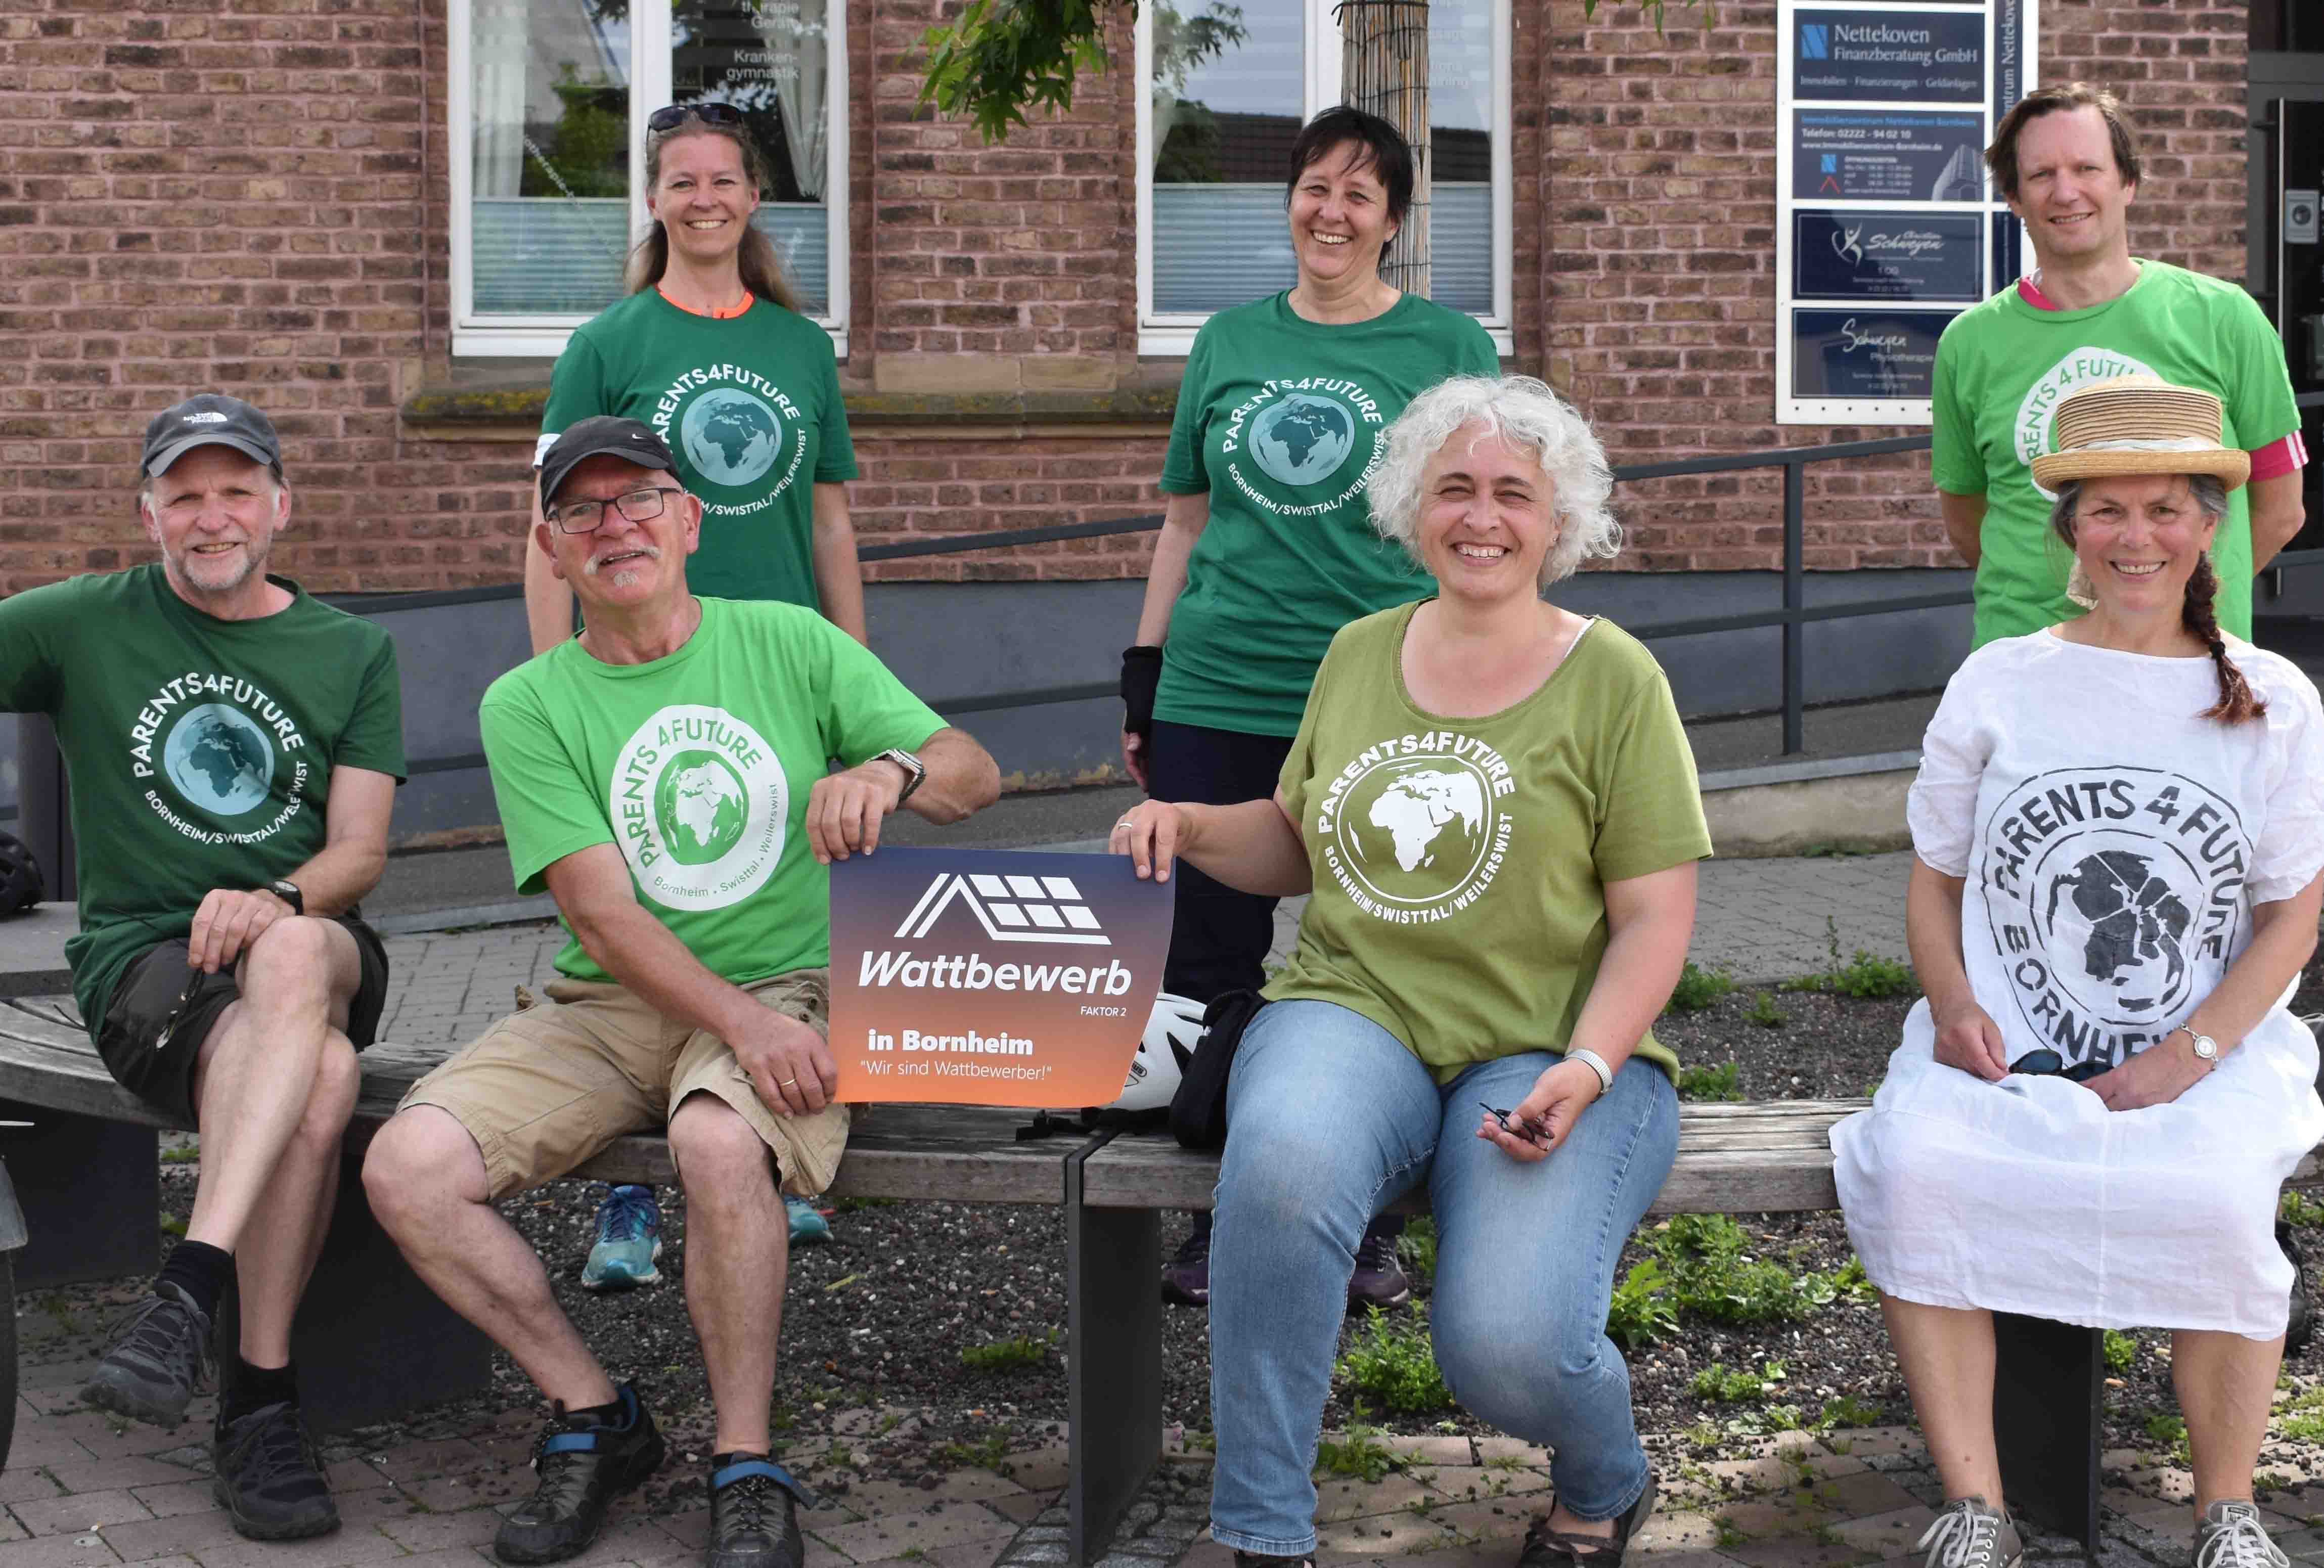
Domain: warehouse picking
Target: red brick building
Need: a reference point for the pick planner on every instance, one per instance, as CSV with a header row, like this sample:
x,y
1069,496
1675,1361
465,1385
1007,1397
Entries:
x,y
377,217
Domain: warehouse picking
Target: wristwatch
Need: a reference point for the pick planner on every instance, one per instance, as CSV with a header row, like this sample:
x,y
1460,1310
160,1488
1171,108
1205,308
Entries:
x,y
914,769
2207,1049
290,894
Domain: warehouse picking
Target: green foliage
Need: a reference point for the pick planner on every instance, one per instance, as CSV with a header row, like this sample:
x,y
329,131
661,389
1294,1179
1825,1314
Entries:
x,y
1006,1355
1417,1248
1698,988
1388,1360
2300,1210
1853,1284
1764,1013
850,1205
187,1153
1641,1311
173,1223
1847,1411
988,1452
1359,1456
1718,1083
1863,974
2168,1429
2121,1350
2302,1420
1741,1386
588,149
1714,1277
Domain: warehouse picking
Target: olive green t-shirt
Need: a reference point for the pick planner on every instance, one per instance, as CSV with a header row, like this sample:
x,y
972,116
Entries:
x,y
1460,863
750,406
1284,421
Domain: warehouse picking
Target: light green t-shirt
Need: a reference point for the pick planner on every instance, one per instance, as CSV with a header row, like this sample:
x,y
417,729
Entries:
x,y
1282,421
200,750
749,407
2002,369
1461,864
697,765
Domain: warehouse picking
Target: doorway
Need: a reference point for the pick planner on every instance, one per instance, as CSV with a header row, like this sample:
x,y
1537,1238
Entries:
x,y
2284,271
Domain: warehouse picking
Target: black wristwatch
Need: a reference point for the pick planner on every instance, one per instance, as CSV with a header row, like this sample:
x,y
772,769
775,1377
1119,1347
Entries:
x,y
290,894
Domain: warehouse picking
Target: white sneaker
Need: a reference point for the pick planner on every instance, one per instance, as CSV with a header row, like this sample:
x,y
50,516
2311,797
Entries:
x,y
1968,1534
2231,1537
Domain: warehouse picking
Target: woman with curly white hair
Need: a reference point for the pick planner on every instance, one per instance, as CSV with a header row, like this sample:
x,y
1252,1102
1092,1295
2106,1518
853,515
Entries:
x,y
1494,808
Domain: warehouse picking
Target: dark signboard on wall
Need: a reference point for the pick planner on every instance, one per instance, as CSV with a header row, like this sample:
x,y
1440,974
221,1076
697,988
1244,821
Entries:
x,y
1888,155
1863,56
1871,354
1886,256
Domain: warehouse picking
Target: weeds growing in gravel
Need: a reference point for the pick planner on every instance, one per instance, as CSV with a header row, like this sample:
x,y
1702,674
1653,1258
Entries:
x,y
2299,1210
1006,1355
1734,1388
1388,1360
1641,1311
1417,1248
2121,1350
990,1453
1864,974
2302,1420
1764,1013
1359,1456
1701,1268
1718,1083
1847,1411
1698,988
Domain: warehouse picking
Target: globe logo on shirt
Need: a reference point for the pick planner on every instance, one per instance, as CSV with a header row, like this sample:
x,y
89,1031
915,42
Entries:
x,y
2130,924
1415,827
219,759
729,437
1300,439
700,803
1428,812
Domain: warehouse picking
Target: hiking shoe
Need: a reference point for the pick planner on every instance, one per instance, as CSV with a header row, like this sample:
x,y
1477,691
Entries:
x,y
1968,1534
2231,1537
584,1464
1547,1548
1378,1280
1186,1278
629,1241
808,1227
754,1512
269,1476
158,1355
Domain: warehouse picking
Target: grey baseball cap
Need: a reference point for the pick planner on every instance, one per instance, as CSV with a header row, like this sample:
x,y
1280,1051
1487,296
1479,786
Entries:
x,y
598,436
206,419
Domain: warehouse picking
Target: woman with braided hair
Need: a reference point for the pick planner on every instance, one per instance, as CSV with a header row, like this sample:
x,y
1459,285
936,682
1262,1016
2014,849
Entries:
x,y
2118,826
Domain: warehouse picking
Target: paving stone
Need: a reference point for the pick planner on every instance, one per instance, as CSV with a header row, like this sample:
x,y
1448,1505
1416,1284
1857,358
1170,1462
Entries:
x,y
184,1497
889,1535
78,1514
1024,1507
1865,1493
96,1475
1041,1470
446,1493
1799,1552
193,1533
340,1549
22,1483
878,1497
1679,1531
1491,1448
1765,1518
57,1552
414,1460
1336,1500
434,1532
1692,1557
1889,1534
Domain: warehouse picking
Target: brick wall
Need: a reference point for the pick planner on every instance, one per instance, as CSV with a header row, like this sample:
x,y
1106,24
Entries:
x,y
253,195
1657,206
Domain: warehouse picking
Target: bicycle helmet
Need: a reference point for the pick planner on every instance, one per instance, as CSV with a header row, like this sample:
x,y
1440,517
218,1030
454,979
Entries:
x,y
1172,1029
20,885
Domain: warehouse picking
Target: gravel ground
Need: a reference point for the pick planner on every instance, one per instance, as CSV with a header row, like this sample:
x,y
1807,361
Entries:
x,y
878,1320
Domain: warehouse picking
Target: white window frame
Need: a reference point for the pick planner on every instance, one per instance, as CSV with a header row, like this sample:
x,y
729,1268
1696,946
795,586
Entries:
x,y
1167,336
544,337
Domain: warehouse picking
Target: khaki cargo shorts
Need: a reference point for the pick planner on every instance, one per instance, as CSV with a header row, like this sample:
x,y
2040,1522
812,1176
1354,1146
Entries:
x,y
551,1085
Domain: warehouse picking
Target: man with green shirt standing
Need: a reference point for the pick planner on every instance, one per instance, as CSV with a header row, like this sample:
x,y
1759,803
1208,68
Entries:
x,y
663,776
2065,160
234,748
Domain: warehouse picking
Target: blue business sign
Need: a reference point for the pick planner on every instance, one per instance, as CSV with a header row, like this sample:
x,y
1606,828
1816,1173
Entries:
x,y
1842,254
1872,352
1888,56
1888,155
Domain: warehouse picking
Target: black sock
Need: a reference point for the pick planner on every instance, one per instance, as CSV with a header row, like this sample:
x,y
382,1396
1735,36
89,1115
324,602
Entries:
x,y
201,1271
615,1414
249,1388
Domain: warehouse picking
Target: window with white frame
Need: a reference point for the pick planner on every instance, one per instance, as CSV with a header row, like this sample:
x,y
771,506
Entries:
x,y
549,104
1227,84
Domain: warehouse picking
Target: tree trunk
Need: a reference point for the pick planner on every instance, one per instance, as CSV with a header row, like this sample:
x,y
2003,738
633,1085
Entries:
x,y
1384,67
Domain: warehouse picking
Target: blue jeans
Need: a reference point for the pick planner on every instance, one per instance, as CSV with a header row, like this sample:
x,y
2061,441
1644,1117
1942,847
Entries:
x,y
1331,1118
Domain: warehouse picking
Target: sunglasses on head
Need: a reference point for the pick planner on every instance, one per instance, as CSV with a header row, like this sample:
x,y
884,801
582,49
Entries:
x,y
2047,1063
670,117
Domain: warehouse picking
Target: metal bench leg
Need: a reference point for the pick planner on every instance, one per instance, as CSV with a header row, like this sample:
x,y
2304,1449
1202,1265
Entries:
x,y
91,1191
1113,1348
371,1341
2048,1380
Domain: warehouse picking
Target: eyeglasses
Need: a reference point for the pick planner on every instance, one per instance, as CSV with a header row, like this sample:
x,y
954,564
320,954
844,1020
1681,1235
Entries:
x,y
671,118
2047,1063
586,516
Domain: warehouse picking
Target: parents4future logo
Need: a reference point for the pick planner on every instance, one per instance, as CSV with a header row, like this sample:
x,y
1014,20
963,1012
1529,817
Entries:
x,y
991,977
1292,436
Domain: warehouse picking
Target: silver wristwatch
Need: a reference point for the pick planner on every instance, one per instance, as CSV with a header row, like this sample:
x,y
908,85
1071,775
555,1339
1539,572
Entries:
x,y
914,769
2207,1049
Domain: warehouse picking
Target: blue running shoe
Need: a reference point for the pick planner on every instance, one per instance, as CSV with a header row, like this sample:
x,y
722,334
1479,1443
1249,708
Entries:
x,y
808,1227
628,1241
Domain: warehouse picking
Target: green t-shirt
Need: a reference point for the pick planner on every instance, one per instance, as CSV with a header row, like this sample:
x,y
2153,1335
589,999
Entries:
x,y
698,766
1282,421
2002,369
749,407
1461,864
200,750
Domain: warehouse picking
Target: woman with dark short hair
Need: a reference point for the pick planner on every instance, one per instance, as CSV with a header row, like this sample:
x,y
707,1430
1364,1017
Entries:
x,y
1266,550
2118,826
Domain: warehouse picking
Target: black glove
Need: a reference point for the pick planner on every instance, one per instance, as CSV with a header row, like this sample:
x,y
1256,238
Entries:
x,y
1142,672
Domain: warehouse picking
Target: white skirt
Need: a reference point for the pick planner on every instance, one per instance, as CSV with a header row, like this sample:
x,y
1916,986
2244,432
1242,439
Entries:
x,y
2030,1196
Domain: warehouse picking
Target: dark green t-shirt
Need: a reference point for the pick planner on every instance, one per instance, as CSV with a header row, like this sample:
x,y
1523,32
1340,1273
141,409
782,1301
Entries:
x,y
1282,421
200,750
750,406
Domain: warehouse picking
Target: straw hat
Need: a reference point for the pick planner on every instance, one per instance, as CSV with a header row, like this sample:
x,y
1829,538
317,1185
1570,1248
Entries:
x,y
2138,424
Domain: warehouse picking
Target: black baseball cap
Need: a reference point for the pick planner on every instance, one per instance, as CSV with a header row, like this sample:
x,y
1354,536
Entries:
x,y
595,437
209,418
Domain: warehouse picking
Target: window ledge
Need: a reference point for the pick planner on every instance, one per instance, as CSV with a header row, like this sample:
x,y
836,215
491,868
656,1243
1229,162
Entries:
x,y
497,405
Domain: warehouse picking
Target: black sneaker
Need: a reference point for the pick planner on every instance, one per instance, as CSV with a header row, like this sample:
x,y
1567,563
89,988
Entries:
x,y
1186,1278
584,1464
1379,1281
1547,1548
270,1478
754,1512
159,1354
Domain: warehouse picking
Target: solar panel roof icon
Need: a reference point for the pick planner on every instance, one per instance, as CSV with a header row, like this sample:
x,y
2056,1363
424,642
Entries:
x,y
1010,908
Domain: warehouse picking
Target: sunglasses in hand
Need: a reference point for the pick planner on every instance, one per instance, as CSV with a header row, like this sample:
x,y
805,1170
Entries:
x,y
1516,1125
2047,1063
